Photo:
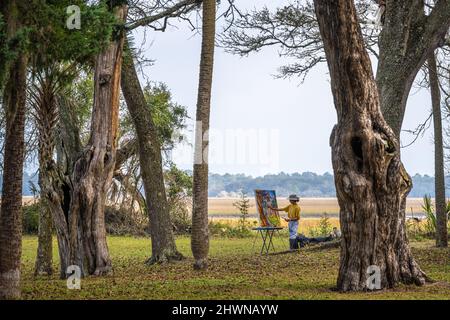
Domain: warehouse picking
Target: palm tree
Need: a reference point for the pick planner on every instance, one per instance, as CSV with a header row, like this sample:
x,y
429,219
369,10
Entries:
x,y
441,210
200,238
11,204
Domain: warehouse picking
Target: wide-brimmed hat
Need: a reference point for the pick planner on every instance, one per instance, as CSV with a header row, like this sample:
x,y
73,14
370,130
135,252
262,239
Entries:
x,y
293,197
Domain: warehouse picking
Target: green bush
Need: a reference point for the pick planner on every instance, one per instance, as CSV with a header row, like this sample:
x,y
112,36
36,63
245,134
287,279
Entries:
x,y
229,231
323,229
30,218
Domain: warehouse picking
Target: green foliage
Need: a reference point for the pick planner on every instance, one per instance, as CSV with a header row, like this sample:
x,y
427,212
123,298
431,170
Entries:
x,y
169,117
431,220
30,218
428,209
323,229
82,91
179,192
243,205
10,47
51,39
228,230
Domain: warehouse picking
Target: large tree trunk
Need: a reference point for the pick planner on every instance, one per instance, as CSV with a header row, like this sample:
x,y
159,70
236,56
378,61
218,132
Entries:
x,y
407,39
200,236
150,159
93,170
57,182
11,200
439,176
371,182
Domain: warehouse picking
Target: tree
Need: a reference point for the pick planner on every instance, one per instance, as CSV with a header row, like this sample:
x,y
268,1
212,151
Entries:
x,y
163,242
410,32
93,170
200,237
14,100
371,182
439,176
409,36
43,101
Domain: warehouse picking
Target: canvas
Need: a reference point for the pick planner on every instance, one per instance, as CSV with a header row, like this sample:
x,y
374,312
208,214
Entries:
x,y
267,217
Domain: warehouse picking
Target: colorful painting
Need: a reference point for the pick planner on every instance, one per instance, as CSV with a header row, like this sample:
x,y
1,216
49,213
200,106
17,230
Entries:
x,y
267,217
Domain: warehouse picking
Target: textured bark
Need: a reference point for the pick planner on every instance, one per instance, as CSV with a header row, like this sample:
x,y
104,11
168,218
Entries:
x,y
44,256
407,39
42,97
11,200
93,171
200,232
150,160
371,182
439,176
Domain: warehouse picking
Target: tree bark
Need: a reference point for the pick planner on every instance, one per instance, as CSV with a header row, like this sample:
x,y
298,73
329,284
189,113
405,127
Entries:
x,y
439,175
93,170
44,257
11,200
43,100
200,232
163,242
407,39
371,182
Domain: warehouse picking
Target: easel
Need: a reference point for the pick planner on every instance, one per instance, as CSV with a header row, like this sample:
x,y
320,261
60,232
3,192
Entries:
x,y
267,234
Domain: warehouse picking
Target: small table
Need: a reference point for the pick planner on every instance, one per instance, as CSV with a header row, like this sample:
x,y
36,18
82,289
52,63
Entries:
x,y
267,237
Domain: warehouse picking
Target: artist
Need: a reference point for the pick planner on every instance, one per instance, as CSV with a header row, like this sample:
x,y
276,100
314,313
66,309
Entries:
x,y
293,211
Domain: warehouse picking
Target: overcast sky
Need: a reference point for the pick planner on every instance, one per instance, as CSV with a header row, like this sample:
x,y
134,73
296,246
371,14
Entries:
x,y
281,125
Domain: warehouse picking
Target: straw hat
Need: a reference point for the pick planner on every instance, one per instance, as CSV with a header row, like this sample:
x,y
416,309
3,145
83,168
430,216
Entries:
x,y
293,197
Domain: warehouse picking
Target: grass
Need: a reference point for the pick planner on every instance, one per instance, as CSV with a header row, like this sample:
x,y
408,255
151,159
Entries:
x,y
236,272
223,206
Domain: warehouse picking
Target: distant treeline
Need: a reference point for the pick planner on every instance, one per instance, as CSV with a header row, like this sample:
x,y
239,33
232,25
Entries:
x,y
307,184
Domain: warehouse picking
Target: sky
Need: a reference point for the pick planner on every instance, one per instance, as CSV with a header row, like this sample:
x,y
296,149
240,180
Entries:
x,y
259,124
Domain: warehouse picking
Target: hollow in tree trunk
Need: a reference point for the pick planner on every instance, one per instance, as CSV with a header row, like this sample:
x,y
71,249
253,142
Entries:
x,y
200,236
371,182
150,160
439,176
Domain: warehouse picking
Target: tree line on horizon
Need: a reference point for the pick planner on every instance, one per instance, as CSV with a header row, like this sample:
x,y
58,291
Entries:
x,y
306,184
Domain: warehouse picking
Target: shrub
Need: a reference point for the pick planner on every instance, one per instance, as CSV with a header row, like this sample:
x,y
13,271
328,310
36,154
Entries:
x,y
323,229
243,205
228,230
120,221
30,218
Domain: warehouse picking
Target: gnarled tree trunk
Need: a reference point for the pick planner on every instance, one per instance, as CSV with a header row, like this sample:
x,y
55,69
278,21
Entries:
x,y
93,171
11,200
200,236
371,182
439,176
150,159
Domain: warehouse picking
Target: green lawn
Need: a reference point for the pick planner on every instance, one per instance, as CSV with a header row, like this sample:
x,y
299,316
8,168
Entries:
x,y
236,272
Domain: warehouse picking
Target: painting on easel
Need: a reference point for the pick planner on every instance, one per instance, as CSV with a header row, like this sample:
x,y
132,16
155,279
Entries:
x,y
267,217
